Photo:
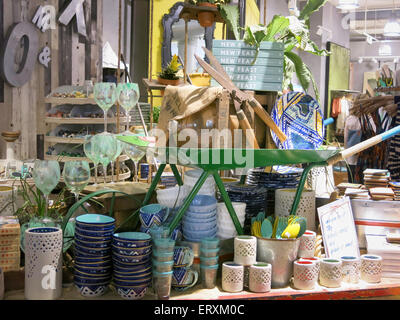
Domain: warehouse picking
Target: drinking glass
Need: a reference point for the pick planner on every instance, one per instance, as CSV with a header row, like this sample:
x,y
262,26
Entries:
x,y
128,96
118,151
135,154
104,147
88,149
76,176
105,95
46,175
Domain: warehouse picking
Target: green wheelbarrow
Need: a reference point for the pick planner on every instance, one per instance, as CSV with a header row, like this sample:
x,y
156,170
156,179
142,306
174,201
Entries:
x,y
214,160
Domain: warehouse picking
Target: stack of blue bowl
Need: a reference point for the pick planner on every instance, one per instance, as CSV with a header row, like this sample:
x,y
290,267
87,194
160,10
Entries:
x,y
93,264
131,255
200,220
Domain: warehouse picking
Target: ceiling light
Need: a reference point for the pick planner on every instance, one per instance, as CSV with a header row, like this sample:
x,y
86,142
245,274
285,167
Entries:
x,y
385,50
360,60
347,4
392,29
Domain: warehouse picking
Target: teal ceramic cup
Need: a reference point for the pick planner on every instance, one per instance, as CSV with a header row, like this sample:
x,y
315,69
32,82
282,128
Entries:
x,y
211,261
183,257
163,256
165,266
209,275
184,278
162,284
209,243
164,245
208,253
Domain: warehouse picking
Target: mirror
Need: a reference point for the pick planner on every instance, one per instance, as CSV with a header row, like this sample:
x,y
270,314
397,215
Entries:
x,y
174,38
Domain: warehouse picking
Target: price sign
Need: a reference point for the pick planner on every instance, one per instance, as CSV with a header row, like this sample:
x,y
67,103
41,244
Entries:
x,y
338,229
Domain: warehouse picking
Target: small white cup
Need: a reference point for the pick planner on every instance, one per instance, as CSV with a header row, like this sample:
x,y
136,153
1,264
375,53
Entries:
x,y
260,277
316,260
232,277
371,268
330,274
350,269
305,274
307,244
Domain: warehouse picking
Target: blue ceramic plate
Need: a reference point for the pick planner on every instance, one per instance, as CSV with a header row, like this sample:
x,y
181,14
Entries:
x,y
199,227
142,282
91,280
135,277
118,263
132,237
85,238
131,259
300,117
90,253
139,267
136,273
93,244
94,233
190,220
132,251
98,275
93,219
93,269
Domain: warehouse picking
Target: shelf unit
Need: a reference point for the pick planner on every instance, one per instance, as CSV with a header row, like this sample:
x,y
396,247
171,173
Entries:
x,y
56,121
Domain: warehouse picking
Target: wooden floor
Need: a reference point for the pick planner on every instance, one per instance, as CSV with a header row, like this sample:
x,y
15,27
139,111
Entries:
x,y
387,289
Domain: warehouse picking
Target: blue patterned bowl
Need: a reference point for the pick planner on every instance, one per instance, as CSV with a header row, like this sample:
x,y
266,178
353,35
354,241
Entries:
x,y
211,232
93,270
132,273
93,244
85,238
136,277
203,203
152,214
132,292
95,222
131,239
92,280
132,251
201,216
199,227
131,268
87,290
142,281
80,273
90,252
131,259
94,233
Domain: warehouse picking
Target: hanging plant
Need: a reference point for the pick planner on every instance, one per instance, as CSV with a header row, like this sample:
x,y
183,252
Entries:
x,y
207,18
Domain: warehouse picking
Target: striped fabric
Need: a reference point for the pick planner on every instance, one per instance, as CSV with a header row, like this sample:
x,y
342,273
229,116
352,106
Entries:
x,y
300,117
394,150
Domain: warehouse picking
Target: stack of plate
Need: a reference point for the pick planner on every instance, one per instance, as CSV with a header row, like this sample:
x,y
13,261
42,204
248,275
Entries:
x,y
200,220
396,189
167,180
93,265
381,194
375,178
254,196
131,254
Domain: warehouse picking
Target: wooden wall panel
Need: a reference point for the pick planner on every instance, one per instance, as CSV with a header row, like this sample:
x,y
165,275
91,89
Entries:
x,y
74,59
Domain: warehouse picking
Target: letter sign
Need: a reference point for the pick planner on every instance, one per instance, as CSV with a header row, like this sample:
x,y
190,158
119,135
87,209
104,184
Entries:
x,y
25,32
74,8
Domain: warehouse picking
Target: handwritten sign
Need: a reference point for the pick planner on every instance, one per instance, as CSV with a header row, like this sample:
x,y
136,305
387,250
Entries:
x,y
338,229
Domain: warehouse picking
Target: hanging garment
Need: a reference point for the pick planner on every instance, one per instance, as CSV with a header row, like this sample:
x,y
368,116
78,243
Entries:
x,y
394,148
341,118
335,107
352,136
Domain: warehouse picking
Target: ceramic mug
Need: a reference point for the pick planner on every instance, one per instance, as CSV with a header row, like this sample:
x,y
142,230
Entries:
x,y
305,274
184,278
371,268
183,257
260,277
307,245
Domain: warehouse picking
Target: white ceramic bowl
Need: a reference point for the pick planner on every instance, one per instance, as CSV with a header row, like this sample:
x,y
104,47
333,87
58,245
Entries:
x,y
167,197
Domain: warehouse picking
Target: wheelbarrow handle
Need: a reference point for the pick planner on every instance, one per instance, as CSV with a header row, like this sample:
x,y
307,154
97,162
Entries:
x,y
364,145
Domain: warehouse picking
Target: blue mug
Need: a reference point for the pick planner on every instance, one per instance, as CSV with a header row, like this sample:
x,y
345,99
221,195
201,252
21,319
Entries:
x,y
184,278
183,257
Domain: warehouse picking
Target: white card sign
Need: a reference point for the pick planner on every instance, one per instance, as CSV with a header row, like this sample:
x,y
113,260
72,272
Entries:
x,y
338,229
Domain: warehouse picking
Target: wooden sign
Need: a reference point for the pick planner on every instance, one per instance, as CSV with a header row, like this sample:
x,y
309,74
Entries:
x,y
238,59
338,229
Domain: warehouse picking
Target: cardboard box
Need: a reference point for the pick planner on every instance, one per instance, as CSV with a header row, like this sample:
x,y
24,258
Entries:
x,y
9,240
9,225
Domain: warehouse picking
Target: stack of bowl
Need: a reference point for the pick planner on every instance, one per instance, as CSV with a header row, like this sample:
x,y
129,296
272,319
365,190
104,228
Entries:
x,y
209,248
93,265
200,220
171,197
191,178
152,215
131,254
226,228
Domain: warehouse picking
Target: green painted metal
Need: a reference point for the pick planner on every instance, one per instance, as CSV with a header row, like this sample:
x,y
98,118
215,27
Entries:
x,y
154,184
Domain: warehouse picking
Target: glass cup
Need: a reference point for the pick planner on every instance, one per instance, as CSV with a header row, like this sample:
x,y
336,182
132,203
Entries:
x,y
162,284
88,149
128,96
163,256
105,95
209,243
164,244
104,148
159,232
209,276
76,176
165,266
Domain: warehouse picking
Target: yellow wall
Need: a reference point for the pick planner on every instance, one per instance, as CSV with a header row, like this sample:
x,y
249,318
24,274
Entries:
x,y
161,7
252,13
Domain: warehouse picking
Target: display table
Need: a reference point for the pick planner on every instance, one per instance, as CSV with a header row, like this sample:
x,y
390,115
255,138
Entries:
x,y
387,289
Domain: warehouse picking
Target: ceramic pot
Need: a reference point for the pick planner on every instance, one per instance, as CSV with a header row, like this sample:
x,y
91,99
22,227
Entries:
x,y
305,274
232,277
307,244
245,250
43,263
260,277
331,273
168,82
206,18
350,269
371,268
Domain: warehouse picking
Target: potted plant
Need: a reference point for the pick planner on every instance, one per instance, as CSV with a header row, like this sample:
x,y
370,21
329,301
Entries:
x,y
207,18
169,75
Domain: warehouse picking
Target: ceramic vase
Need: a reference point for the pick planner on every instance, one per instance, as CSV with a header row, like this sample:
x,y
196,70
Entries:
x,y
260,277
330,274
232,277
307,244
305,274
43,263
350,269
245,250
371,268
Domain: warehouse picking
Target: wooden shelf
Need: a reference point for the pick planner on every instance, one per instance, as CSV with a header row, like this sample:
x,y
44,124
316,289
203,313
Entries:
x,y
59,101
66,158
100,178
52,139
56,120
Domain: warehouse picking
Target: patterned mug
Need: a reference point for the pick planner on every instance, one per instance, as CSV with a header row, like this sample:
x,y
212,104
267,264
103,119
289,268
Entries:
x,y
183,257
184,278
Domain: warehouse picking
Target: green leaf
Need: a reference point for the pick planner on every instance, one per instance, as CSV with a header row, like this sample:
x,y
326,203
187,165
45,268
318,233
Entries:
x,y
275,27
303,73
314,84
311,7
231,16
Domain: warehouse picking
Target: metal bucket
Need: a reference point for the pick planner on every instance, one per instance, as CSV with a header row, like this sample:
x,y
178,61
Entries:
x,y
280,253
